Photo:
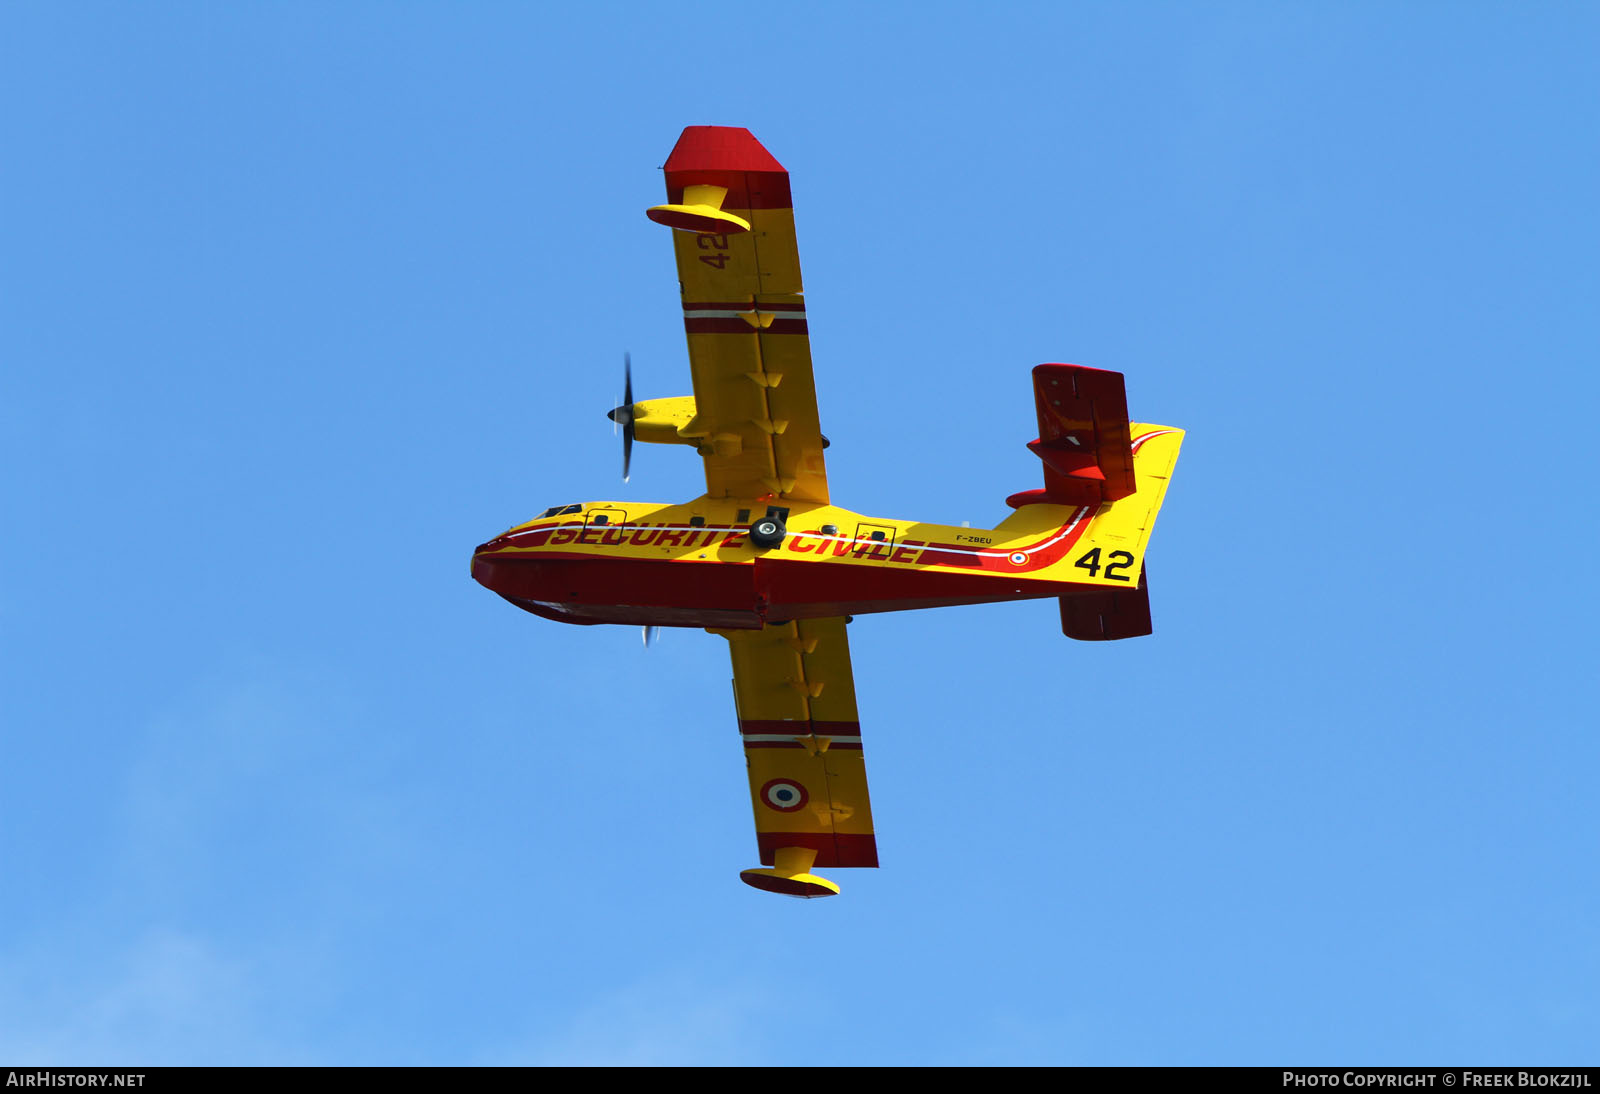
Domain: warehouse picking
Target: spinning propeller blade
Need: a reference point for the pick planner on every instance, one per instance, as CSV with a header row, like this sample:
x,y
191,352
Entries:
x,y
623,415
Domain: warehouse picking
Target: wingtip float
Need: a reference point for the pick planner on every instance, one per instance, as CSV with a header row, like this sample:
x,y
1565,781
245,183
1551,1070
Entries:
x,y
764,559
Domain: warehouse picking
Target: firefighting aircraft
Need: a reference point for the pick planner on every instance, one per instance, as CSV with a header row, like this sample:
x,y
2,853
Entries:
x,y
764,558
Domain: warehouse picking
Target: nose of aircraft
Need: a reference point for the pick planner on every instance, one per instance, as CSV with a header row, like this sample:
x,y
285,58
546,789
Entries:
x,y
483,562
499,567
530,582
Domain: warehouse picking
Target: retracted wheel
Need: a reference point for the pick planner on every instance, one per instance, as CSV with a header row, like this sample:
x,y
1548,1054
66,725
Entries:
x,y
767,532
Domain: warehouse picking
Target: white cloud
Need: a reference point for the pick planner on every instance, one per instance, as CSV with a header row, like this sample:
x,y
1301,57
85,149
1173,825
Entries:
x,y
671,1018
169,999
177,947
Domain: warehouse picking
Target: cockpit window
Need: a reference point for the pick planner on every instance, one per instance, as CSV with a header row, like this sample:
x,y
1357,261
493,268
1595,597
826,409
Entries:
x,y
559,510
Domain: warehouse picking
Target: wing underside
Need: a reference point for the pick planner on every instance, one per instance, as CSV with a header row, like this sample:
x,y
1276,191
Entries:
x,y
796,703
744,315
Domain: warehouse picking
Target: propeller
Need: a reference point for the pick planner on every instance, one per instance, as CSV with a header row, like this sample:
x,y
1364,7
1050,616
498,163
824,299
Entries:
x,y
623,416
650,636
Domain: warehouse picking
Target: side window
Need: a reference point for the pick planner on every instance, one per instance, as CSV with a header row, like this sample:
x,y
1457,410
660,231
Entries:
x,y
873,540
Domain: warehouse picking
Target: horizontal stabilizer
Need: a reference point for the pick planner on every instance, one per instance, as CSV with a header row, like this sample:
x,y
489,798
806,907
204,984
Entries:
x,y
1104,615
1084,440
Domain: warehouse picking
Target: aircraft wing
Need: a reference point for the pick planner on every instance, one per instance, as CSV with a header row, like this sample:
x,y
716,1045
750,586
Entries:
x,y
755,418
796,702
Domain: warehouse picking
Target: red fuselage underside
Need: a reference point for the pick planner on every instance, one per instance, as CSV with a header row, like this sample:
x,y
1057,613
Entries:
x,y
682,593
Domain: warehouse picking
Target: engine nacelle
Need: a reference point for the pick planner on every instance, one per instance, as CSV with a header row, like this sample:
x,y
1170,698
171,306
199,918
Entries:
x,y
676,421
658,421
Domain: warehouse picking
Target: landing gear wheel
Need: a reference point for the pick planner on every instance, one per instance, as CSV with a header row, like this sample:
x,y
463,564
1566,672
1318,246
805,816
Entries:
x,y
767,532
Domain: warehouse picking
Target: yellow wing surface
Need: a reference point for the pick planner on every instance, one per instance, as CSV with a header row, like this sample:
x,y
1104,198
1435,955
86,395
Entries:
x,y
796,702
755,402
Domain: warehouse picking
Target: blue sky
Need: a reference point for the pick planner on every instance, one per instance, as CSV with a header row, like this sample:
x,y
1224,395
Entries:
x,y
300,302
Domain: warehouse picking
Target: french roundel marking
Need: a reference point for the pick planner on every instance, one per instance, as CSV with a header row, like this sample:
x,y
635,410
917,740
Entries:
x,y
1018,558
784,795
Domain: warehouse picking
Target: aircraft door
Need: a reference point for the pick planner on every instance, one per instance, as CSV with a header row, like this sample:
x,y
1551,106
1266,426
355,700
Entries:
x,y
605,525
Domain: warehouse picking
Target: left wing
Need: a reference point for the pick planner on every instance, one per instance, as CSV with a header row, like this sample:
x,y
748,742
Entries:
x,y
796,701
755,400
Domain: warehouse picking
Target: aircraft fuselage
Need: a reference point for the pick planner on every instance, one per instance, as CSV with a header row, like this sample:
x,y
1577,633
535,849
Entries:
x,y
696,565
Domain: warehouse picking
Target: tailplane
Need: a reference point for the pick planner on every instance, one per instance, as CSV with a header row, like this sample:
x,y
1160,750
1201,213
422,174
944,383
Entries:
x,y
1084,439
1109,474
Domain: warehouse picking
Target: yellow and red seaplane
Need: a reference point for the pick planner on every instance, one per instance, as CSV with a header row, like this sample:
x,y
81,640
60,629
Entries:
x,y
764,559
